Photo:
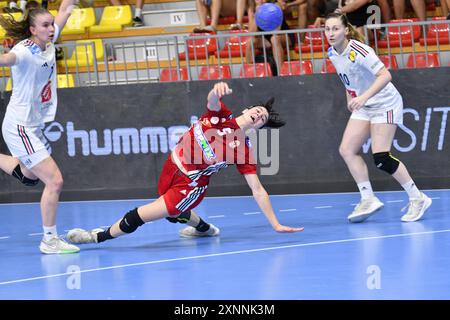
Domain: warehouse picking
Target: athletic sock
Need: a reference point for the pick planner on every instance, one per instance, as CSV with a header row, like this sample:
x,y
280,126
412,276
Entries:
x,y
365,189
49,232
412,190
104,235
202,226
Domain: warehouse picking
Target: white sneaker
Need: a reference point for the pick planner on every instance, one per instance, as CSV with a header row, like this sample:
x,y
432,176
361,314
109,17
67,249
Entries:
x,y
191,232
365,209
78,235
416,208
56,245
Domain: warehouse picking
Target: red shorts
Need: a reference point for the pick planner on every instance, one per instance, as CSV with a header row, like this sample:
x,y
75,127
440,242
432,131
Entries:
x,y
179,193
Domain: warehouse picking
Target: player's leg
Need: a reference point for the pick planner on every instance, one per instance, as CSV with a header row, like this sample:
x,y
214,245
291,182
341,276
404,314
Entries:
x,y
355,134
197,227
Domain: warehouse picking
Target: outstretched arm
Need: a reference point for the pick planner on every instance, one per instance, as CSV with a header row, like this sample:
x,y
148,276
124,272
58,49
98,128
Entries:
x,y
7,59
262,198
219,90
64,11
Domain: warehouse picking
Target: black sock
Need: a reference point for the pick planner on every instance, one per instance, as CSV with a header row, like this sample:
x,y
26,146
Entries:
x,y
202,226
104,235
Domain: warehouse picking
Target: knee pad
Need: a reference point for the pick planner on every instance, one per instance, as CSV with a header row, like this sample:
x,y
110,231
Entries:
x,y
131,221
182,218
17,173
386,162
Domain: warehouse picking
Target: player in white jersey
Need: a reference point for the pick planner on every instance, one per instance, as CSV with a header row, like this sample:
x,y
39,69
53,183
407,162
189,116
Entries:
x,y
33,102
377,109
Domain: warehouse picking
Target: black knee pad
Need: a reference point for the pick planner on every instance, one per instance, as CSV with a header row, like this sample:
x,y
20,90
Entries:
x,y
131,221
386,162
182,218
17,173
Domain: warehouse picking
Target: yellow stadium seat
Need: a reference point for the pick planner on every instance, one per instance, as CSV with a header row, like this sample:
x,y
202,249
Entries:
x,y
113,19
3,4
53,12
83,53
65,81
9,85
79,20
16,15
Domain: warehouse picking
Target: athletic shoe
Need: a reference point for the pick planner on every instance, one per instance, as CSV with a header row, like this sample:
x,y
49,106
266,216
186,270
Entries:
x,y
365,209
79,236
191,232
57,245
416,208
137,22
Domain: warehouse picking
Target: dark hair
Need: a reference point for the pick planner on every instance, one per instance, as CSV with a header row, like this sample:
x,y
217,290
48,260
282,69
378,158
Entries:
x,y
20,30
352,32
274,120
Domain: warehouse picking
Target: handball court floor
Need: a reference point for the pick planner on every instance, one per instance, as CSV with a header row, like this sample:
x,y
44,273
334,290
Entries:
x,y
382,258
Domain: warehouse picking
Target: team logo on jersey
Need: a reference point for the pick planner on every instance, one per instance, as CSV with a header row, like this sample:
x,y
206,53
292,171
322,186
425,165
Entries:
x,y
45,65
352,56
33,47
46,93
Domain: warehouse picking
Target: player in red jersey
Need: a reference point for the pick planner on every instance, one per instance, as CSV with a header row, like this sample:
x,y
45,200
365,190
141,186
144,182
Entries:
x,y
215,141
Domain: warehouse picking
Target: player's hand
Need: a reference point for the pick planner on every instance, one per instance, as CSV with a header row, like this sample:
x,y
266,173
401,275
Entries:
x,y
356,103
284,229
221,89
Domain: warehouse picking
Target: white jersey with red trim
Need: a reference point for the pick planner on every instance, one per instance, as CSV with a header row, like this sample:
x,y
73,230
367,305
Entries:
x,y
357,67
33,100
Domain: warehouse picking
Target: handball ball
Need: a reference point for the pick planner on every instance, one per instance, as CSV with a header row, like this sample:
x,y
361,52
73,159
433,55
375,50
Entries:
x,y
268,16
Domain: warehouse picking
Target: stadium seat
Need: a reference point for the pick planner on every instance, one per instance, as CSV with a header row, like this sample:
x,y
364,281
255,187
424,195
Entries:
x,y
168,75
8,85
79,20
83,53
215,73
65,80
314,42
390,62
199,48
257,70
437,33
296,68
423,60
113,19
328,67
401,35
234,45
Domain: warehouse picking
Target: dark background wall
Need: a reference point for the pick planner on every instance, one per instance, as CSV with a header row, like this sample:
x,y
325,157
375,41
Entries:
x,y
100,167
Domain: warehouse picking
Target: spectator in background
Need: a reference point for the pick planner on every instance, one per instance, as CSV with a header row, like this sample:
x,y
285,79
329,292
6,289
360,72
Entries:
x,y
274,43
419,7
15,6
307,10
356,12
324,8
219,8
385,9
137,20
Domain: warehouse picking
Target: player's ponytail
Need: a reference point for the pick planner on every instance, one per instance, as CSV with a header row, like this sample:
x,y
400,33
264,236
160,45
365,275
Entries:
x,y
352,32
20,30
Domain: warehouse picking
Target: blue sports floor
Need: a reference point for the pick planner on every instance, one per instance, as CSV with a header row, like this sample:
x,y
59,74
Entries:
x,y
382,258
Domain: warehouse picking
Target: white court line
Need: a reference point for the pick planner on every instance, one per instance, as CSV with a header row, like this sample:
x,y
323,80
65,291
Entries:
x,y
392,201
287,210
227,197
218,216
250,213
36,234
323,207
6,237
226,254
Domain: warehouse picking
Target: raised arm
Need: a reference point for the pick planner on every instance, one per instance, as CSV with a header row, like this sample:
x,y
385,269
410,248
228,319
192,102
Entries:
x,y
263,201
219,90
7,59
64,11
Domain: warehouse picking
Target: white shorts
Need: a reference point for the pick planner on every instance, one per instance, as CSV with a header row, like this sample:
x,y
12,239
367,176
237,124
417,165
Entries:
x,y
28,144
392,114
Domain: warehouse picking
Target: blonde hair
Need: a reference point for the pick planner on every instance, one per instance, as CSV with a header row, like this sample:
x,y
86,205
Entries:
x,y
352,32
20,30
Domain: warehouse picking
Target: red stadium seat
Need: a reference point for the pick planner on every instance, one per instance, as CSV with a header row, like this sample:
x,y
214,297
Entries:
x,y
256,70
401,35
199,48
422,60
234,45
314,42
328,67
296,68
214,73
168,75
390,62
437,33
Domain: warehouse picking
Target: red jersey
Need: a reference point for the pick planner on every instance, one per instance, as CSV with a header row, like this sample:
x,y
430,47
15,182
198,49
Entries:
x,y
212,143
